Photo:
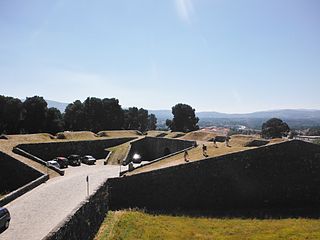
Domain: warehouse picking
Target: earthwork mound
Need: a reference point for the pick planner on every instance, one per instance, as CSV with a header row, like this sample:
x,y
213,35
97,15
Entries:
x,y
37,137
81,135
175,135
157,133
199,136
244,140
119,133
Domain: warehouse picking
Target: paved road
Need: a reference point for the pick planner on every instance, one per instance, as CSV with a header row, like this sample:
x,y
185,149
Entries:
x,y
37,212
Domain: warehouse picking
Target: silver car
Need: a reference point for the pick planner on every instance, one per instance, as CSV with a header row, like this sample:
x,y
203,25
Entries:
x,y
53,163
4,218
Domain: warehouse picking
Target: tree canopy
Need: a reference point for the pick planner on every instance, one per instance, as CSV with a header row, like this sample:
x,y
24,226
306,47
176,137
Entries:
x,y
274,128
10,114
54,121
94,114
34,114
152,122
184,119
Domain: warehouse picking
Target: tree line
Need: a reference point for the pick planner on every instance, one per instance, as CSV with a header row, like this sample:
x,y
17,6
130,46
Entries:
x,y
94,114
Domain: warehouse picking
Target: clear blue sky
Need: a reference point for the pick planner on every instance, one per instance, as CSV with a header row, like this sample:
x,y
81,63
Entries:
x,y
220,55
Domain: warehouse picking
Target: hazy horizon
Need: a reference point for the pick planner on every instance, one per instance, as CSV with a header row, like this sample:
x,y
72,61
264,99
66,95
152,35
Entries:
x,y
223,56
169,109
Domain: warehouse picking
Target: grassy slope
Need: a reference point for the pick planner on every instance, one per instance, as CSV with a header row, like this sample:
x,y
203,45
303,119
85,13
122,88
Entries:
x,y
118,153
154,133
195,154
236,144
131,225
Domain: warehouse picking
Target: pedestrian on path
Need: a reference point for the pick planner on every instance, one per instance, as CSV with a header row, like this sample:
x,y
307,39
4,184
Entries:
x,y
227,141
185,156
215,142
204,150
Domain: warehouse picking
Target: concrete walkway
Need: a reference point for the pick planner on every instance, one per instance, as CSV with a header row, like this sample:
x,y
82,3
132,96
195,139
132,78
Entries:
x,y
36,213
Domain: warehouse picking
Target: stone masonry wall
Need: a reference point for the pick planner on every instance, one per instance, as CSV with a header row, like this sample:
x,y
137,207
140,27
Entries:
x,y
15,174
284,175
85,220
96,148
151,148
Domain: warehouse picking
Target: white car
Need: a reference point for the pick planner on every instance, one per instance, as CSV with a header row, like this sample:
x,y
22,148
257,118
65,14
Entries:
x,y
53,163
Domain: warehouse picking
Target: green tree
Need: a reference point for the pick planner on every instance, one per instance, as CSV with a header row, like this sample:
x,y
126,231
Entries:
x,y
2,114
54,121
34,114
152,122
74,116
142,120
113,115
131,118
184,119
93,110
10,115
274,128
136,119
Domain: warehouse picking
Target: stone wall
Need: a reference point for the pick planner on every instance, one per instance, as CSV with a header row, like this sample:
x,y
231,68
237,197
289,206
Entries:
x,y
22,190
277,176
96,148
15,174
284,175
85,220
151,148
36,159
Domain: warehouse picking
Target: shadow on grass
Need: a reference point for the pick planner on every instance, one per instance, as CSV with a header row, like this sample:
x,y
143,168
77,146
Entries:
x,y
310,213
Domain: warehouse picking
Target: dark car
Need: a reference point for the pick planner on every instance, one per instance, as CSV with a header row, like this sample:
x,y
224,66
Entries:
x,y
62,161
4,218
88,159
74,160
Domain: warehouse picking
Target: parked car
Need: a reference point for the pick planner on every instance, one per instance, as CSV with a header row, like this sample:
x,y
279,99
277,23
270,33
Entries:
x,y
62,161
53,163
88,159
74,160
4,218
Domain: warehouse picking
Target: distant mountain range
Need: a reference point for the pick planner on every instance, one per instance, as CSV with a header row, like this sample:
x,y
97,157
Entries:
x,y
59,105
284,113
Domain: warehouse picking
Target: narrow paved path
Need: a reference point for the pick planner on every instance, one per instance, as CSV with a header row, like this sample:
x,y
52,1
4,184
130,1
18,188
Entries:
x,y
36,213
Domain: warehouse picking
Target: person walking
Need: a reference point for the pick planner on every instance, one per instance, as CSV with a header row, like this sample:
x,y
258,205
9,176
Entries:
x,y
227,141
185,156
215,142
204,150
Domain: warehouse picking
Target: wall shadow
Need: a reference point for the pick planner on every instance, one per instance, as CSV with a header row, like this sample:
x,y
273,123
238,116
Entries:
x,y
275,213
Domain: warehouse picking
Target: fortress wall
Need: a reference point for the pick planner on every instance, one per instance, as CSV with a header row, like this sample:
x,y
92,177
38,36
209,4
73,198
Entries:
x,y
84,222
284,175
15,174
96,148
151,148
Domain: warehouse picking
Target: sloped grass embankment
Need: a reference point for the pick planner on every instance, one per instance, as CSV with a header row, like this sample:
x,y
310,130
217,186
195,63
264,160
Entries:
x,y
132,225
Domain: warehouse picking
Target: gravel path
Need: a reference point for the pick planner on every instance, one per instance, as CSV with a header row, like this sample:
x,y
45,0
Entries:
x,y
36,213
